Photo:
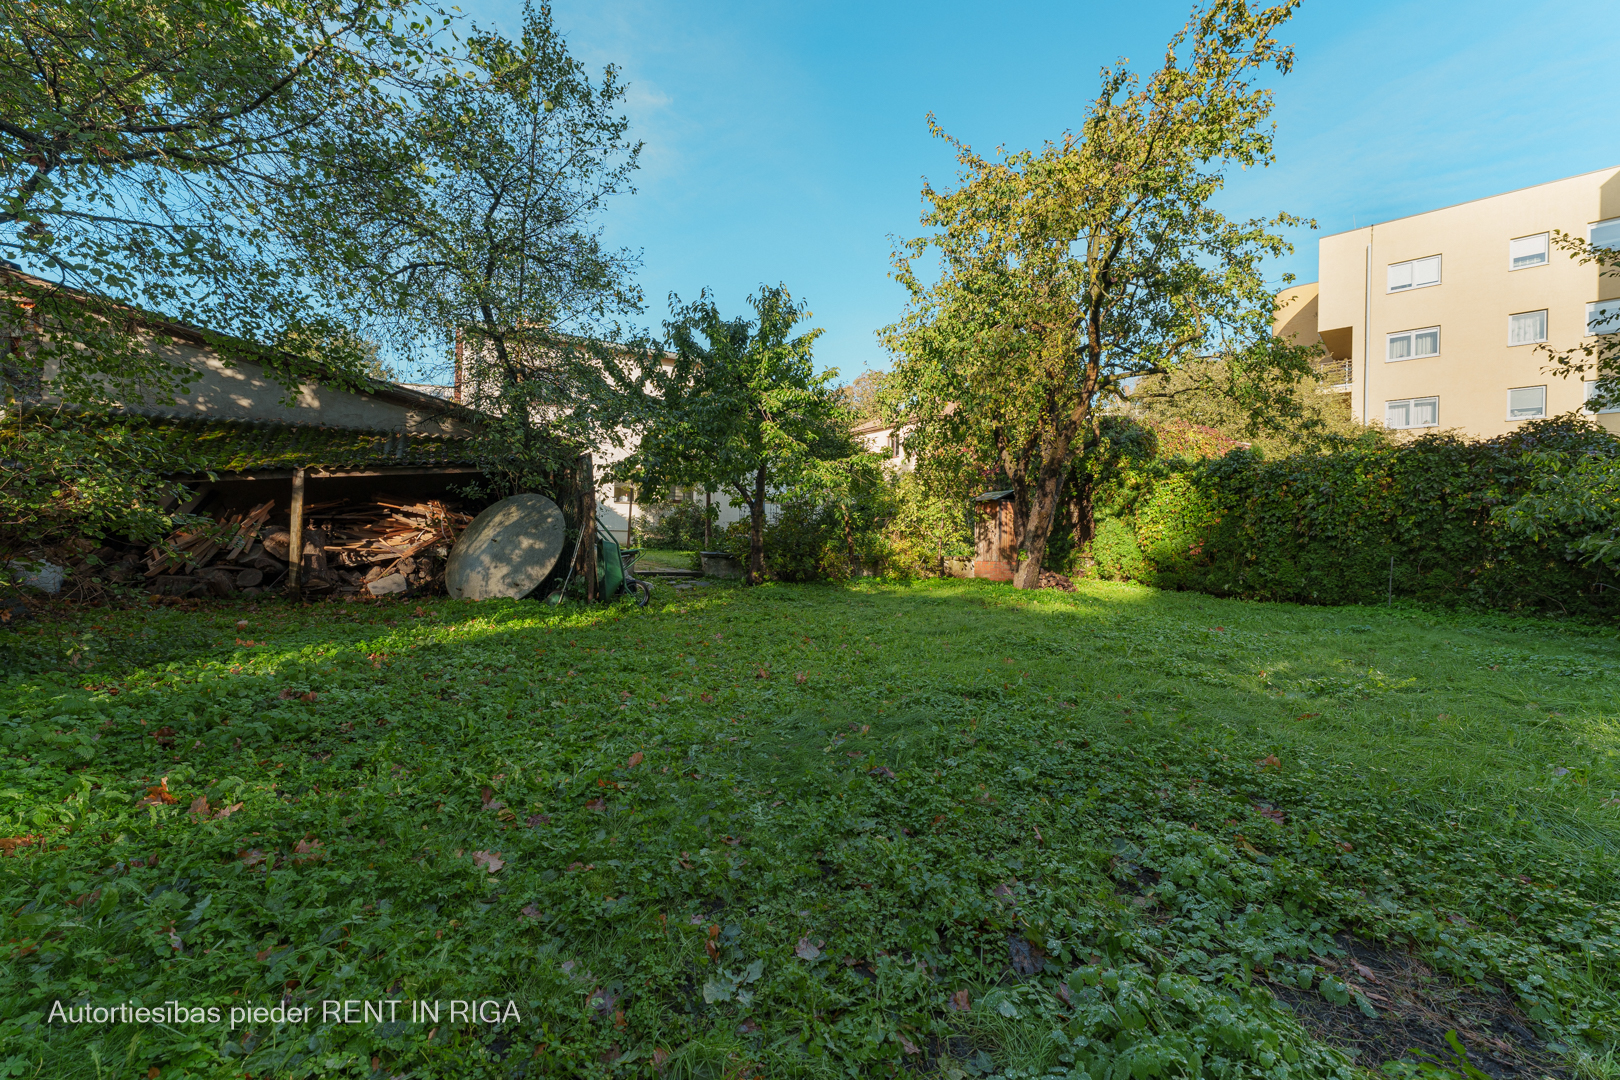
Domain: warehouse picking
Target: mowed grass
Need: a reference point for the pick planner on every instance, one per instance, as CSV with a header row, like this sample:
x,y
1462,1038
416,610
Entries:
x,y
793,831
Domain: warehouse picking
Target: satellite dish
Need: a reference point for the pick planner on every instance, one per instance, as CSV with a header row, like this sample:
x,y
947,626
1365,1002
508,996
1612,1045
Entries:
x,y
507,550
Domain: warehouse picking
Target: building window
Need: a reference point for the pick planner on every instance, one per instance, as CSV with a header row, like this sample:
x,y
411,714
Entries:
x,y
1410,344
1603,317
1527,402
894,444
1527,251
1412,413
1591,390
1604,234
1527,327
1414,274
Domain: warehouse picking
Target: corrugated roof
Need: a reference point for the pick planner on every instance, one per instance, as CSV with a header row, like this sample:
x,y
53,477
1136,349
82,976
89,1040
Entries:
x,y
236,446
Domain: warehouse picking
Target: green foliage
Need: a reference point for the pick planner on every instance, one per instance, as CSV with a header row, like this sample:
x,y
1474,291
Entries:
x,y
743,409
678,525
1323,528
503,249
70,476
1274,412
1094,805
1067,272
1115,553
1576,500
203,158
923,527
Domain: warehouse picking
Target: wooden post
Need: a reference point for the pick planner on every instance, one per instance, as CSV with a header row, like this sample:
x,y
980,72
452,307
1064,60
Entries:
x,y
585,565
630,519
295,538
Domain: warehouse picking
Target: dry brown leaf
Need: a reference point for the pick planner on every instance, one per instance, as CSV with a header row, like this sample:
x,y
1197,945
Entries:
x,y
489,860
532,911
1269,762
805,950
959,1001
10,844
596,804
159,795
635,759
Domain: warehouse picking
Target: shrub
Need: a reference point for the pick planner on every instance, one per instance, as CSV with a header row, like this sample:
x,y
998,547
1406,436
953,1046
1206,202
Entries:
x,y
1335,528
1115,552
677,525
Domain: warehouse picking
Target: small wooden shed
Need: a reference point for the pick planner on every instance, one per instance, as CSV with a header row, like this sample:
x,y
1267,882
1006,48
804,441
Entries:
x,y
995,536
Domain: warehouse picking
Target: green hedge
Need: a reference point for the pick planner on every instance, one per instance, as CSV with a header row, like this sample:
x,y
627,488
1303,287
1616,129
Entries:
x,y
1327,528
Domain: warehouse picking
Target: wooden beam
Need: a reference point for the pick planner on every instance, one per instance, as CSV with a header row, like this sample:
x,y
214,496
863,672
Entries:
x,y
586,552
295,541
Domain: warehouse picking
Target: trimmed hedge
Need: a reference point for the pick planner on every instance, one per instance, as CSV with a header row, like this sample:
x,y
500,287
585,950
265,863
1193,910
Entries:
x,y
1334,528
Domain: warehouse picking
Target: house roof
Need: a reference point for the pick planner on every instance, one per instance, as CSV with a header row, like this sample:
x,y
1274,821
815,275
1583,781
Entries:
x,y
231,446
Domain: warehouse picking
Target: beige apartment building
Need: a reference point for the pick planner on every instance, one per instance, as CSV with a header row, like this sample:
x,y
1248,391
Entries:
x,y
1437,320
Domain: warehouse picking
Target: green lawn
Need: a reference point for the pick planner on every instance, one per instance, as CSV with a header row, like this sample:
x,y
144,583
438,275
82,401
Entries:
x,y
792,830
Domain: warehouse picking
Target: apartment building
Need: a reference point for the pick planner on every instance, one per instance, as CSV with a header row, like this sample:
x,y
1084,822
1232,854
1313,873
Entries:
x,y
1437,320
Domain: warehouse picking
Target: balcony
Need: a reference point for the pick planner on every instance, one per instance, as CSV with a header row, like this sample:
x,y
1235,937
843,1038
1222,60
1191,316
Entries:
x,y
1334,372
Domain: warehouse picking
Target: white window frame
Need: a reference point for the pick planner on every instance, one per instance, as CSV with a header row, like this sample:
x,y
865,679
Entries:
x,y
1546,251
1537,416
1388,338
1388,288
1594,226
1533,341
1410,404
1587,387
1611,318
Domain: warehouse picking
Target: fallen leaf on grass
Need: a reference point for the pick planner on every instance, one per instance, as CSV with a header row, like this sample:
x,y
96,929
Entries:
x,y
489,860
596,804
762,673
532,911
1269,762
959,1001
307,851
806,951
253,858
159,795
730,841
882,772
799,677
539,819
660,1058
10,844
488,797
1271,812
906,1044
635,759
709,943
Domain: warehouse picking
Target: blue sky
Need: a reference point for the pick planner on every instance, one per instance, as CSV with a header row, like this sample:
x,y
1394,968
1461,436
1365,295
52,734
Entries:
x,y
788,141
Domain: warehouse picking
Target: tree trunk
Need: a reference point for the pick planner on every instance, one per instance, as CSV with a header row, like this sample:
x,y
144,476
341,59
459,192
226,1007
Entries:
x,y
1044,502
585,565
756,531
1082,515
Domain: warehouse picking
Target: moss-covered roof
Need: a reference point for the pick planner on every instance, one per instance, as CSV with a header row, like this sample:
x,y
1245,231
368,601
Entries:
x,y
235,446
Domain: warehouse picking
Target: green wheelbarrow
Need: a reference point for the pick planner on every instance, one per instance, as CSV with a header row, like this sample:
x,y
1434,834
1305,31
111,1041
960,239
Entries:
x,y
615,571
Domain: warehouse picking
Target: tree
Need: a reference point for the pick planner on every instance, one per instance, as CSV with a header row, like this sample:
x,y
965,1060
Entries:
x,y
862,395
1068,271
742,407
504,248
194,157
1598,355
1274,410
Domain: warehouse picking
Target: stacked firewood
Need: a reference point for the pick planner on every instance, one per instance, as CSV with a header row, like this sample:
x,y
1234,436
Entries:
x,y
378,548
